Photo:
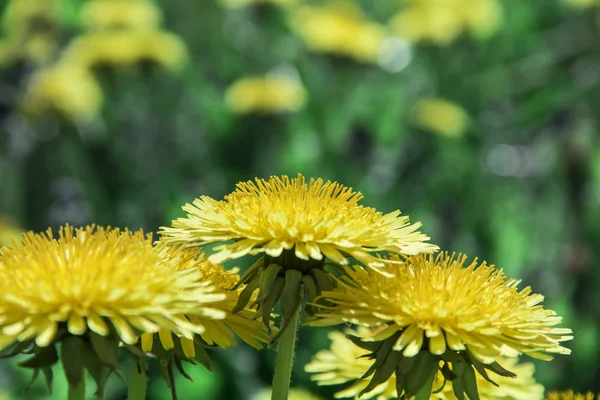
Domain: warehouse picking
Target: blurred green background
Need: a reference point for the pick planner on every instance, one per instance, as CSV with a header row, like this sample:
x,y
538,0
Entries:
x,y
478,118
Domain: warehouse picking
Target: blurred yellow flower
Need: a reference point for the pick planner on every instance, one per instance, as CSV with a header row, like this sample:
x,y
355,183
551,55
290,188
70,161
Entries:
x,y
295,394
440,116
95,280
19,15
265,95
130,14
218,332
65,88
9,232
342,363
242,3
122,48
339,28
570,395
442,21
40,48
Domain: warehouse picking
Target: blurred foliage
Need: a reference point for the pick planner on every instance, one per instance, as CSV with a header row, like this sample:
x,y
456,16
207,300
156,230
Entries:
x,y
475,117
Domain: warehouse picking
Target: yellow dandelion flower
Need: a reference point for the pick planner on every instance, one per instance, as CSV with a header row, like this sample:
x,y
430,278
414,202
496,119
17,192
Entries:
x,y
295,394
339,29
9,232
314,220
265,95
124,48
102,284
443,21
65,88
20,14
440,116
343,363
217,332
296,225
427,321
130,14
243,3
89,279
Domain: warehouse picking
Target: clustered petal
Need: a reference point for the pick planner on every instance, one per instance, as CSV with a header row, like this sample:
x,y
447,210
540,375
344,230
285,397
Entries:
x,y
220,324
343,363
439,301
316,220
98,280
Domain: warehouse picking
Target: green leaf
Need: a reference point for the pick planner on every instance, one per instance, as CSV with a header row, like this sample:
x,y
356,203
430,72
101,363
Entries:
x,y
72,360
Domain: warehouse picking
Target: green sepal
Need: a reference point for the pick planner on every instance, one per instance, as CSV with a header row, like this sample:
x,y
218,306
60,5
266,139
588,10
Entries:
x,y
48,375
43,357
383,372
97,369
250,273
266,306
267,279
19,348
246,295
202,357
498,369
323,281
290,297
420,373
310,290
470,382
426,389
72,360
106,348
34,377
480,367
370,346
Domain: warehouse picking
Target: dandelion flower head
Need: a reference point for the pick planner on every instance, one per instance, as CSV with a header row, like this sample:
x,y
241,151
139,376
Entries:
x,y
314,220
96,280
440,302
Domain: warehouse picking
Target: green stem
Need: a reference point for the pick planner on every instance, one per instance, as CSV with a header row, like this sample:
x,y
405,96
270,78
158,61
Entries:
x,y
77,392
137,379
285,359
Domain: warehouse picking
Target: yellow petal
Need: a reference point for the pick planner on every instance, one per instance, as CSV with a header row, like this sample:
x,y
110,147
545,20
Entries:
x,y
76,325
147,342
437,344
166,339
188,347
